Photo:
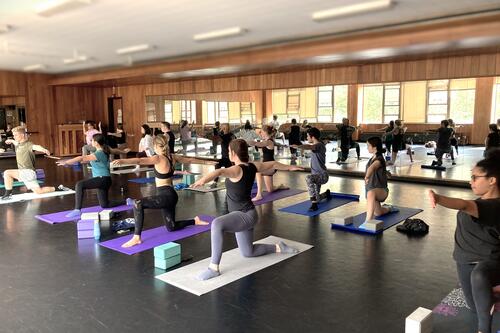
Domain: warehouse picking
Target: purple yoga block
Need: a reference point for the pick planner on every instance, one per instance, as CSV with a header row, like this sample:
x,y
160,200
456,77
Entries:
x,y
85,225
40,174
85,234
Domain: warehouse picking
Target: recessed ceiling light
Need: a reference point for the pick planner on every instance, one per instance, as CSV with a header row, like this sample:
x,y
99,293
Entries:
x,y
202,72
60,6
75,60
36,67
134,49
229,32
351,9
4,28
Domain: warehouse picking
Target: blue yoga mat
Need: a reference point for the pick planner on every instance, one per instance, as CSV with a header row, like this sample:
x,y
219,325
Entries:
x,y
389,219
336,200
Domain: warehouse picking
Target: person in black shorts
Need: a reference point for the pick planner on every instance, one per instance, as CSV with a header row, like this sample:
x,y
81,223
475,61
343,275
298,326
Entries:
x,y
443,145
346,142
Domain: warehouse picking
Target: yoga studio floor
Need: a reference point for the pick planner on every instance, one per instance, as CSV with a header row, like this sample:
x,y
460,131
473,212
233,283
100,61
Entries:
x,y
51,282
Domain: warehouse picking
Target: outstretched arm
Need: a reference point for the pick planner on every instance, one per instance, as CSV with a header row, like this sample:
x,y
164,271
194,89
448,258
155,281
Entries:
x,y
78,159
193,160
467,206
304,147
136,160
232,172
273,165
41,149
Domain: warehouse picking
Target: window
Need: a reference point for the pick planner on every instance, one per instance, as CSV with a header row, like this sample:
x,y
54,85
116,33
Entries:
x,y
217,111
188,111
246,112
292,104
391,102
332,103
380,103
169,115
451,99
150,112
495,114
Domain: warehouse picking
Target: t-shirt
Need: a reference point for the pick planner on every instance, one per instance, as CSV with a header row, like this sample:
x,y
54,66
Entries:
x,y
171,142
345,132
225,140
318,158
444,136
378,179
25,157
90,134
493,140
185,133
294,137
100,167
478,239
146,144
121,139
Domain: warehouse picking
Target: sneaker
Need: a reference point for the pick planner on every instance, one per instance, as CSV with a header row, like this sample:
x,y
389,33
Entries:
x,y
6,196
62,188
314,207
453,163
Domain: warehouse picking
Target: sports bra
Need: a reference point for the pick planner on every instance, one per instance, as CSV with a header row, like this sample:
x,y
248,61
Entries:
x,y
167,175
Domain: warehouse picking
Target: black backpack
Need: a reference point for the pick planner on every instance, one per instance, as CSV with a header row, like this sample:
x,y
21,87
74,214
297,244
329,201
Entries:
x,y
413,227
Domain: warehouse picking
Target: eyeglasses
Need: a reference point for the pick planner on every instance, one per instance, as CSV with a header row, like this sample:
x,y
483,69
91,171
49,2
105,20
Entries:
x,y
474,177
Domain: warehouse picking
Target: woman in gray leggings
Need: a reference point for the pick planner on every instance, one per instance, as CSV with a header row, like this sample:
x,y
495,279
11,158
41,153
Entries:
x,y
242,216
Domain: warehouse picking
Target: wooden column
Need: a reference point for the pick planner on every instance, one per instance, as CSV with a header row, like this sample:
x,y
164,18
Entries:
x,y
482,109
199,112
352,107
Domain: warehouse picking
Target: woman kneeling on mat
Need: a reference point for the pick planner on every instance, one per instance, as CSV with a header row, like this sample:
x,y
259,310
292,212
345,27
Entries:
x,y
166,197
267,145
242,216
101,176
477,238
376,181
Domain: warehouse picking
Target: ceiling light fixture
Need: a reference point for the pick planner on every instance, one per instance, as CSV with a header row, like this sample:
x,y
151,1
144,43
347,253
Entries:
x,y
134,49
75,60
229,32
351,9
36,67
60,6
4,28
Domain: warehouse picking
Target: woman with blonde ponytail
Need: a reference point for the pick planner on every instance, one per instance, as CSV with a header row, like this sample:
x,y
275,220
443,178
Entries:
x,y
166,197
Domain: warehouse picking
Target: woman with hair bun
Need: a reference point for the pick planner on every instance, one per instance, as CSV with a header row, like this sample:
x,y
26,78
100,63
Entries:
x,y
166,197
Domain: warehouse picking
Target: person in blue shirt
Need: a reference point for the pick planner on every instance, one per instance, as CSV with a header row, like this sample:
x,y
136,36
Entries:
x,y
101,175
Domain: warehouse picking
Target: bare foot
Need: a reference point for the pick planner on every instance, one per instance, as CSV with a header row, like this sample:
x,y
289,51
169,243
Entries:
x,y
197,221
281,187
257,198
136,240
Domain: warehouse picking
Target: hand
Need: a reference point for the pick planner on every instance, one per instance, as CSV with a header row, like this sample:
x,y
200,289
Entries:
x,y
432,198
295,168
46,152
294,146
198,183
9,141
117,162
367,180
61,163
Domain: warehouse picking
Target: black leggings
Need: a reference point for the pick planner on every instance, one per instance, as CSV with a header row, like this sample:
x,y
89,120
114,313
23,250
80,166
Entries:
x,y
344,150
102,184
165,199
477,281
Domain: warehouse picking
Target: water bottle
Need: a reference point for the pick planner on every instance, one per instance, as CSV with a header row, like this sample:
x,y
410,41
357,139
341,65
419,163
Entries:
x,y
97,230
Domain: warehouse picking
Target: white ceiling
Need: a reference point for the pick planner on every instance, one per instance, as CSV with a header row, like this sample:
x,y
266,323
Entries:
x,y
99,29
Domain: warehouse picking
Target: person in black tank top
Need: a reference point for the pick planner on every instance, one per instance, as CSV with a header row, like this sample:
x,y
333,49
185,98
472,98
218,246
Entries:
x,y
242,216
477,238
267,145
294,138
166,129
166,197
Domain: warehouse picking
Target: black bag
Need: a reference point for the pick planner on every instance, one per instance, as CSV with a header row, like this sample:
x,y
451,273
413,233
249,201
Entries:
x,y
413,227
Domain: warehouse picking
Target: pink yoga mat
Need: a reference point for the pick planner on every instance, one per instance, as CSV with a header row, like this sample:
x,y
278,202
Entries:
x,y
157,236
60,217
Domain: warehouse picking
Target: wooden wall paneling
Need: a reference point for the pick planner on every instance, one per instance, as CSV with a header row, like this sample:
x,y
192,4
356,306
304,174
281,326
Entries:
x,y
497,64
352,104
13,100
201,86
487,64
267,112
13,83
225,84
187,87
482,109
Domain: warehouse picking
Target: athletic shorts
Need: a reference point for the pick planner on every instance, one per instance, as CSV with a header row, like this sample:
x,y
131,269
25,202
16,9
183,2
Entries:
x,y
28,177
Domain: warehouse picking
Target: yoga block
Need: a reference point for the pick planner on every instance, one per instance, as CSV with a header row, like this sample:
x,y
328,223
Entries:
x,y
188,179
85,225
343,220
374,225
90,216
85,234
106,214
40,173
168,250
150,174
420,321
167,263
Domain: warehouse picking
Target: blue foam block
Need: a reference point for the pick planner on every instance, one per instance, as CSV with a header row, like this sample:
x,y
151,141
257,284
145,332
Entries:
x,y
389,220
336,200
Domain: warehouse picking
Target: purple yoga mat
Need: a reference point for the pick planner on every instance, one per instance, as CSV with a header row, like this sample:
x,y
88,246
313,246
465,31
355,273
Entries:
x,y
157,236
60,217
276,195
